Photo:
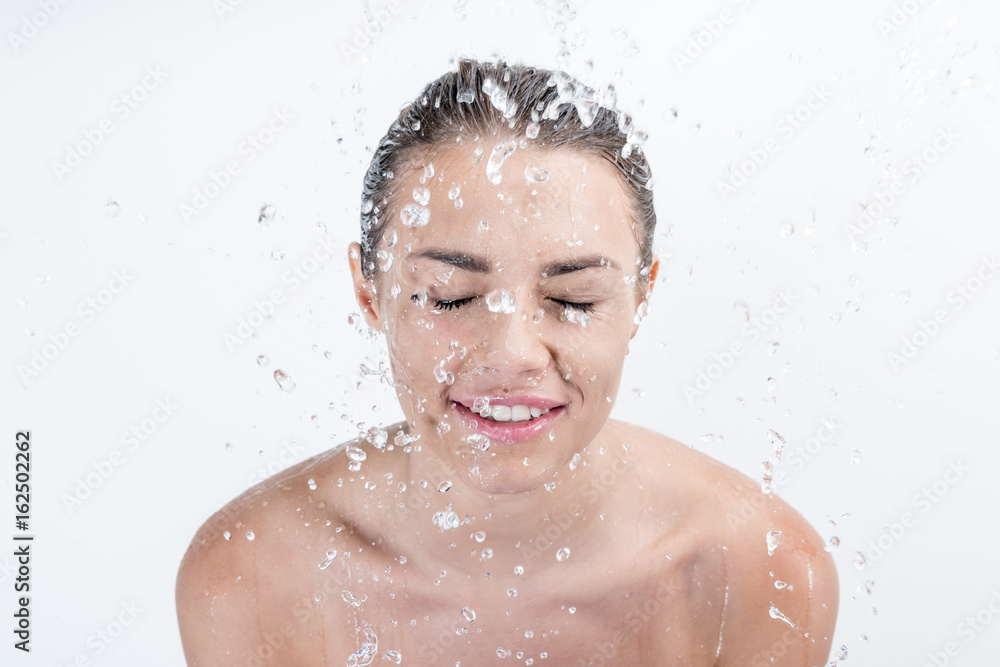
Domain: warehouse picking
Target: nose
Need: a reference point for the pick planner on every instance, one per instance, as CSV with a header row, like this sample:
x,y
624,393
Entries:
x,y
513,344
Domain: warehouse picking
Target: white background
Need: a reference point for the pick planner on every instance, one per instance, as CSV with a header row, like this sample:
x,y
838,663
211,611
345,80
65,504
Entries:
x,y
190,282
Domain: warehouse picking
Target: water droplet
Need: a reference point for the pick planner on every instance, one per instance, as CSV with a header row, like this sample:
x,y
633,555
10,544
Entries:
x,y
780,584
486,554
356,453
446,520
444,486
500,301
312,484
385,260
468,614
776,614
284,380
421,195
367,205
859,560
479,442
263,361
443,428
531,131
536,173
786,229
575,316
350,598
331,554
226,535
250,535
112,209
641,312
414,215
480,536
512,592
265,216
395,657
500,153
832,543
772,541
562,554
503,653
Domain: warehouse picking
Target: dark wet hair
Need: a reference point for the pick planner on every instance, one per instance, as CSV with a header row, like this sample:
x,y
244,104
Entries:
x,y
496,99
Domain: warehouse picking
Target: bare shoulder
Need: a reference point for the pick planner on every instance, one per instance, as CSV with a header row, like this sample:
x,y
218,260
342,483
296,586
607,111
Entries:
x,y
781,586
232,591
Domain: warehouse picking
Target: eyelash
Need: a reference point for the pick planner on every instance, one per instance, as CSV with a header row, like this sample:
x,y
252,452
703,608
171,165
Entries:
x,y
587,307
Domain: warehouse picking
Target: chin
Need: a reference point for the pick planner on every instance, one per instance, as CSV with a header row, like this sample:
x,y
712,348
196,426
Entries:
x,y
495,473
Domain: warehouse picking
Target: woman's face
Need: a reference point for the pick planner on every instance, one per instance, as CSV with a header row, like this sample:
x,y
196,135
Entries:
x,y
521,292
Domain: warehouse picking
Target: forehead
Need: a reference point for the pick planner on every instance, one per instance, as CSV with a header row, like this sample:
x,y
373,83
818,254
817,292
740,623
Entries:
x,y
529,206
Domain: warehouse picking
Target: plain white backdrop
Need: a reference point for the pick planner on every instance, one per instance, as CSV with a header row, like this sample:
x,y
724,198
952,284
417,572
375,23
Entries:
x,y
814,113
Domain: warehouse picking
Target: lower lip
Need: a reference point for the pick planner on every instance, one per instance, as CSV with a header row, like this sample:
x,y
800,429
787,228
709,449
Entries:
x,y
508,432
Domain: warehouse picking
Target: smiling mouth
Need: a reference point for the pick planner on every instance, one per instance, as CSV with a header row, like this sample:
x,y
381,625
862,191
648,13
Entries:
x,y
509,423
512,413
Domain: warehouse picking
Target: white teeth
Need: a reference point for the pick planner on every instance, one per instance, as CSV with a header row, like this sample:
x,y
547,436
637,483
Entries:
x,y
513,413
501,413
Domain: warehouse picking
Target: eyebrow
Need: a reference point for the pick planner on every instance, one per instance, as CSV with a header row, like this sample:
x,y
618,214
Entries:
x,y
479,264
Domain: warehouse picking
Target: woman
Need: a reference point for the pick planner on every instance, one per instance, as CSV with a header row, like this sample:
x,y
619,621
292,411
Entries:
x,y
506,254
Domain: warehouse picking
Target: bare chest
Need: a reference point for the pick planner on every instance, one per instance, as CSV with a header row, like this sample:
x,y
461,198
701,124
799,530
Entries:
x,y
528,625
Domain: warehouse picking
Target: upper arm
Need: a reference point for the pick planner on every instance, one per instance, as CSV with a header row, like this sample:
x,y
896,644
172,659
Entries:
x,y
789,624
216,599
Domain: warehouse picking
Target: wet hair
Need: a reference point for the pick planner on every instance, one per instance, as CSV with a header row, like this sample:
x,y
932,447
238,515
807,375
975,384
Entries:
x,y
494,99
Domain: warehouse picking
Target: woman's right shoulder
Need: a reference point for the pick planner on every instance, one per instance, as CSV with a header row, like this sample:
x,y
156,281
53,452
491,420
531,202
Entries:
x,y
257,542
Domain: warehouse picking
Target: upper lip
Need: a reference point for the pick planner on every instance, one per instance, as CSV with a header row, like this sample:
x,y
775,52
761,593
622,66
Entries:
x,y
539,402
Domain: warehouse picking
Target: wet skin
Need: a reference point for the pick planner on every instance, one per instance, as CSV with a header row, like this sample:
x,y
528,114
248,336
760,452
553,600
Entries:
x,y
582,538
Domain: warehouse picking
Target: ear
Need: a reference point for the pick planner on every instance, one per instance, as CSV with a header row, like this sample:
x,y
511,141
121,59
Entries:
x,y
364,290
654,270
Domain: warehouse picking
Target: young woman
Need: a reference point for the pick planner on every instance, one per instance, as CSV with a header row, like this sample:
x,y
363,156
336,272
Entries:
x,y
506,255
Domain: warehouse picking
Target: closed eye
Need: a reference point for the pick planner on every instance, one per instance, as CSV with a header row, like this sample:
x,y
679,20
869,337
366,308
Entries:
x,y
587,307
452,304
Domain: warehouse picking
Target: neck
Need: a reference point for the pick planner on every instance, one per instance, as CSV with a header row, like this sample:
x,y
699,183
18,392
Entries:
x,y
450,524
